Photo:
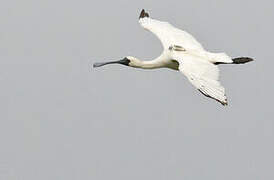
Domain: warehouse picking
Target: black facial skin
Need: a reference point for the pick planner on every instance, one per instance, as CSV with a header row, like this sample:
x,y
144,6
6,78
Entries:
x,y
124,61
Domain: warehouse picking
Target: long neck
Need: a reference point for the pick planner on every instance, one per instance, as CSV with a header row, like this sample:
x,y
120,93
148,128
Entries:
x,y
152,64
149,64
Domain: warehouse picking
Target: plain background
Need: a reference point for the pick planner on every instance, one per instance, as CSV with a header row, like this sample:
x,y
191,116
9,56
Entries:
x,y
62,119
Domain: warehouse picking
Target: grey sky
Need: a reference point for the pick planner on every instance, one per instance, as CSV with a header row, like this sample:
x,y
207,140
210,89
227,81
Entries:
x,y
61,120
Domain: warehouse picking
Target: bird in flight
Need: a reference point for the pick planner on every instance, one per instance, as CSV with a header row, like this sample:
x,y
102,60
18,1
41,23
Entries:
x,y
182,52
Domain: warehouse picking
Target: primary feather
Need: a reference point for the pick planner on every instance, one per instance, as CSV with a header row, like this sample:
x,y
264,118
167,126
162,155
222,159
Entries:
x,y
169,34
202,74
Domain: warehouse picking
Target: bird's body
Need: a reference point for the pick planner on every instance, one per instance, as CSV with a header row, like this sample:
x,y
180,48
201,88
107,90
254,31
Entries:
x,y
182,52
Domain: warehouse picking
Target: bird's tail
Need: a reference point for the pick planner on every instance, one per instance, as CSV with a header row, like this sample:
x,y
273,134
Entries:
x,y
241,60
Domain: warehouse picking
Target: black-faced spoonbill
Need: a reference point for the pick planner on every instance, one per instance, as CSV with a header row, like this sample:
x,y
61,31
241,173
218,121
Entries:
x,y
182,52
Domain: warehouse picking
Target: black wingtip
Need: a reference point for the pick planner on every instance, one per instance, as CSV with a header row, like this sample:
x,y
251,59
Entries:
x,y
224,103
143,14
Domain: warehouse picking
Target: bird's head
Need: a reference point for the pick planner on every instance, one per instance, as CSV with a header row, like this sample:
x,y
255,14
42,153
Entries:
x,y
127,61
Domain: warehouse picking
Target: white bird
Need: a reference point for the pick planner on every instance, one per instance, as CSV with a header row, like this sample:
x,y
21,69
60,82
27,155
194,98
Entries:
x,y
182,52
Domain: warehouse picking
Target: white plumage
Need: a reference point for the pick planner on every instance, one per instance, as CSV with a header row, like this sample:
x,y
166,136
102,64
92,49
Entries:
x,y
203,75
184,53
170,35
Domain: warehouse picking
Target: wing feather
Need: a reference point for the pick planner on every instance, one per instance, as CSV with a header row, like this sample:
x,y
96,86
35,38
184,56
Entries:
x,y
203,75
168,34
172,36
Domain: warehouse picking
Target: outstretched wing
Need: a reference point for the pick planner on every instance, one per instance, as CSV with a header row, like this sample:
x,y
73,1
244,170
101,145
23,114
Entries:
x,y
203,75
168,34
